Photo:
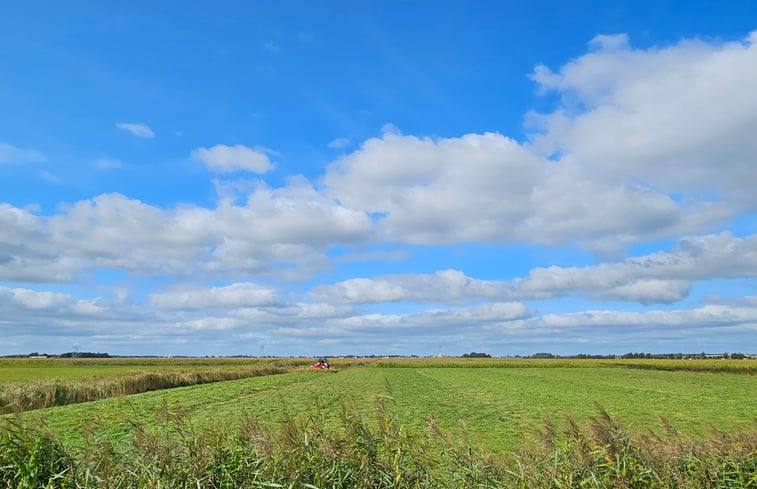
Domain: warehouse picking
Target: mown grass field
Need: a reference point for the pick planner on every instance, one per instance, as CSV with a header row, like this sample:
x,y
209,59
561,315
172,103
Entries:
x,y
414,423
14,370
495,404
37,384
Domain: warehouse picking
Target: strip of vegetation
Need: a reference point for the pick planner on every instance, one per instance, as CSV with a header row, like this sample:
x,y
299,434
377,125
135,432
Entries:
x,y
746,367
708,366
26,396
457,362
303,452
7,362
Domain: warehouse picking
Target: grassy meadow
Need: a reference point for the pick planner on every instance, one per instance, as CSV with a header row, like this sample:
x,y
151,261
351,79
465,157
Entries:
x,y
502,412
28,384
40,383
14,370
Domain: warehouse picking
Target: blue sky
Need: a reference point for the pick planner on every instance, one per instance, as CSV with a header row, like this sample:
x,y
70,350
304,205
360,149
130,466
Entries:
x,y
305,178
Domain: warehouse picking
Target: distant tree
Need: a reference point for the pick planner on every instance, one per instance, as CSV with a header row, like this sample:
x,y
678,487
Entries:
x,y
737,356
473,354
542,355
84,354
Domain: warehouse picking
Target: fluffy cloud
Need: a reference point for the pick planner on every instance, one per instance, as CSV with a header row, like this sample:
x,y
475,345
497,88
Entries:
x,y
490,188
705,316
447,286
284,231
645,144
680,118
36,317
660,278
27,253
477,187
496,312
224,159
44,311
429,189
139,129
40,320
234,295
516,318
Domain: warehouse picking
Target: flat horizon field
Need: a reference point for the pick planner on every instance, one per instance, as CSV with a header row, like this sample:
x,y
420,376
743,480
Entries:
x,y
495,406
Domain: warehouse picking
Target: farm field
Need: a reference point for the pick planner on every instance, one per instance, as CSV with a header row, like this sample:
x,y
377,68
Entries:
x,y
434,423
497,405
699,365
40,383
14,370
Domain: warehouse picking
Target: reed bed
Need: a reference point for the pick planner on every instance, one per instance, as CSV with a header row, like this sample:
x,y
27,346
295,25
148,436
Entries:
x,y
377,453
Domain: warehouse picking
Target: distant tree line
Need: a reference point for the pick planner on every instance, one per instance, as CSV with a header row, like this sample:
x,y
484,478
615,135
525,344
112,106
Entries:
x,y
543,355
665,356
70,354
473,354
83,354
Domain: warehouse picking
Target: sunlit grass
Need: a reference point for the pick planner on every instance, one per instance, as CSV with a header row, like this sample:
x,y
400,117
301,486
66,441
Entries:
x,y
497,405
305,452
449,423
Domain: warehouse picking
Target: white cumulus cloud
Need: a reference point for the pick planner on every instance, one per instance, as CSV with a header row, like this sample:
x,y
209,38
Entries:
x,y
222,158
487,187
680,118
446,286
643,145
235,295
284,232
662,277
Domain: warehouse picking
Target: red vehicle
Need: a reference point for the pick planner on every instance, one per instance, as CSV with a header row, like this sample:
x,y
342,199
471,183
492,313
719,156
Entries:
x,y
322,364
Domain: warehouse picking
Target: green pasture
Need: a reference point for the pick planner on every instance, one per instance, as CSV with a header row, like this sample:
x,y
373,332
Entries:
x,y
30,373
14,370
494,407
699,365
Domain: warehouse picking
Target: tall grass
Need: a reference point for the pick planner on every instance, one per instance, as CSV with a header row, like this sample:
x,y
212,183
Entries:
x,y
377,453
25,396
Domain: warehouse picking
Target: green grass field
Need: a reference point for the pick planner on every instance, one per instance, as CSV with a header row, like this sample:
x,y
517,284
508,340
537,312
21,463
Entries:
x,y
497,406
410,423
13,370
